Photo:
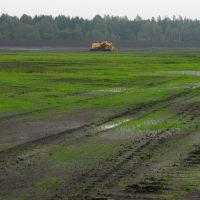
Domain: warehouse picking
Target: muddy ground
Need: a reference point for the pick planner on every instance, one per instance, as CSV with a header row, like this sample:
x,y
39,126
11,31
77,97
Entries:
x,y
148,164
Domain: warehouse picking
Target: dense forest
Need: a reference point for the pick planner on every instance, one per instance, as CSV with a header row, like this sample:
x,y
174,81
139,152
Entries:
x,y
99,28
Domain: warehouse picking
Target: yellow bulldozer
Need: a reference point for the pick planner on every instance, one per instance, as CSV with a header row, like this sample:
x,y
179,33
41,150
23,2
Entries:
x,y
103,46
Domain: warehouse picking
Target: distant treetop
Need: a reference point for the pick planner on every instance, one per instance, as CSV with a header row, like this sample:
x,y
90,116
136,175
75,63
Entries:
x,y
99,28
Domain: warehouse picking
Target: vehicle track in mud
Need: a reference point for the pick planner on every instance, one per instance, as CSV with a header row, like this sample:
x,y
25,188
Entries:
x,y
104,177
51,138
96,182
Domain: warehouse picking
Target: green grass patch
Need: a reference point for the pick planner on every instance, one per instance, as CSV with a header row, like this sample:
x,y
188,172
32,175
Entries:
x,y
70,156
85,151
31,80
3,147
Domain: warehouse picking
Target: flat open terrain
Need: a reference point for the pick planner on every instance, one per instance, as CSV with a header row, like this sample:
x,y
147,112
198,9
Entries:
x,y
101,126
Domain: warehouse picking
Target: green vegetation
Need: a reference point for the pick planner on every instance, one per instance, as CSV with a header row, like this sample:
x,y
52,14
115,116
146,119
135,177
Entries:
x,y
34,81
70,156
5,147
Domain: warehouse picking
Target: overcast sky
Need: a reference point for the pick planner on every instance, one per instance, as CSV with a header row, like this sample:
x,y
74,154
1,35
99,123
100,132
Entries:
x,y
89,8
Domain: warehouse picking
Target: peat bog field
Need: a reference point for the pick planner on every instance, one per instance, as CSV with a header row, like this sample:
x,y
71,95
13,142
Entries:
x,y
99,126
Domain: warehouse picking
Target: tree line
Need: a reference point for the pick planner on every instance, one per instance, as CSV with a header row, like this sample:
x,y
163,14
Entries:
x,y
99,28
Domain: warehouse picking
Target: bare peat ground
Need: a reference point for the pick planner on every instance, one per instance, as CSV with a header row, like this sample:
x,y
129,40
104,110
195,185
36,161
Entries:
x,y
144,165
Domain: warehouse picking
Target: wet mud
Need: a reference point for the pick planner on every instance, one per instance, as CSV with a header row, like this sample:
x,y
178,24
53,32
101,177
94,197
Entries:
x,y
140,169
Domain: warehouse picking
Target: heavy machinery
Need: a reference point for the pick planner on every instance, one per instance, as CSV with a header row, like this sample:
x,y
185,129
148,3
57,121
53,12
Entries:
x,y
103,46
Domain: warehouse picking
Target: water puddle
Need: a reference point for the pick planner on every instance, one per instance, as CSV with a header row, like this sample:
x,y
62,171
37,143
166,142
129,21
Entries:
x,y
186,86
196,73
113,90
110,126
134,126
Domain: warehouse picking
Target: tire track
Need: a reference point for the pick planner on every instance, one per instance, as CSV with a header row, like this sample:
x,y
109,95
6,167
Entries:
x,y
121,165
56,136
158,187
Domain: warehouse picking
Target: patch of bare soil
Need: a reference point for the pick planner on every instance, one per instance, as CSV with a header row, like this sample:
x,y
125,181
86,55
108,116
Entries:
x,y
140,169
194,195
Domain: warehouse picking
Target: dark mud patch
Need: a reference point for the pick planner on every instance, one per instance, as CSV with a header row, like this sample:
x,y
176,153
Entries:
x,y
143,187
194,195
